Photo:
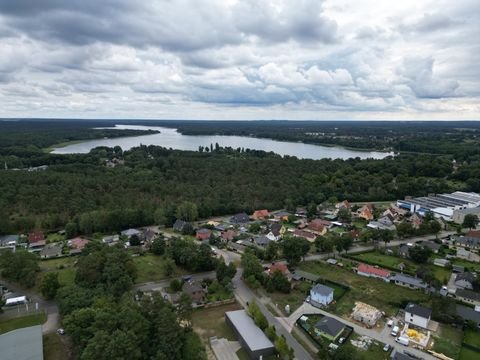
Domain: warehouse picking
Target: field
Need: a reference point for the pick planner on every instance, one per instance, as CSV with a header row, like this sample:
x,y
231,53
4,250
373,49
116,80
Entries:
x,y
295,298
472,338
467,354
21,322
448,341
211,322
63,266
374,292
55,347
150,268
380,259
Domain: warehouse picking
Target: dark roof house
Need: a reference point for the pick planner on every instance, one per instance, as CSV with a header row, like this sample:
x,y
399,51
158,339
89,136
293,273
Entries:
x,y
179,225
329,327
418,310
241,218
195,290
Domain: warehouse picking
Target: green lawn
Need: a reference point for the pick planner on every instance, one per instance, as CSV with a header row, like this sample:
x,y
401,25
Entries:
x,y
211,322
295,298
384,296
448,341
21,322
472,338
150,268
63,266
55,347
380,259
55,237
467,354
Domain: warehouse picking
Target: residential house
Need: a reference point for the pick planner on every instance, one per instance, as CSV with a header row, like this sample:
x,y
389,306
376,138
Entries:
x,y
468,314
132,232
343,205
78,243
366,212
195,290
321,294
281,216
329,328
51,250
372,271
355,234
470,240
203,234
301,212
149,235
228,235
463,253
468,296
417,315
430,245
279,266
404,251
261,240
384,223
458,269
305,234
260,214
416,220
241,218
408,281
36,240
111,239
179,225
367,314
9,240
441,262
317,226
465,280
300,275
278,230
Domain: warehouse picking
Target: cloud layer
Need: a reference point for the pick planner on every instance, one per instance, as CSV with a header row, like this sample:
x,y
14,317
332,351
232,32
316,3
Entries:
x,y
240,59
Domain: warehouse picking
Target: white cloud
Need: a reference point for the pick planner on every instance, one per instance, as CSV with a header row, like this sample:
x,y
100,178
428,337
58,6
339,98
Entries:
x,y
240,59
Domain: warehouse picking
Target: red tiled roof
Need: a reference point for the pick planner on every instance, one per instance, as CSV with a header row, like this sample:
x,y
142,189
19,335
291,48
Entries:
x,y
203,234
35,237
305,234
474,234
261,214
228,235
278,266
368,269
78,243
317,225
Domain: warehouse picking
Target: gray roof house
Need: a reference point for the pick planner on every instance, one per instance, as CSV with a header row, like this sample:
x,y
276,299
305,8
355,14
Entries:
x,y
179,225
322,290
408,281
261,240
131,232
252,339
241,218
9,240
329,327
469,241
431,245
468,314
51,250
468,296
465,280
22,344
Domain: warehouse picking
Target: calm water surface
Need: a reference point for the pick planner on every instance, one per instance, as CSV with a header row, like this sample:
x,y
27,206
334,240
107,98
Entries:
x,y
170,138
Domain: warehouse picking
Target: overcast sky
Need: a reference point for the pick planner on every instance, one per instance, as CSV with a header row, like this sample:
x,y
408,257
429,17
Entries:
x,y
240,59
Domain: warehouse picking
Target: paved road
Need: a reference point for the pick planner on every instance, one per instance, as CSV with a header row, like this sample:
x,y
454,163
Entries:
x,y
383,336
244,295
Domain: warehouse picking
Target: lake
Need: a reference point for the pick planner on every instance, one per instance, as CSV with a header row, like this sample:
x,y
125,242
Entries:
x,y
170,138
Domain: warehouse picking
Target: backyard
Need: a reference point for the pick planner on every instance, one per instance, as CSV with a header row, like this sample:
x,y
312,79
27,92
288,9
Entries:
x,y
63,266
391,261
448,341
150,268
374,292
294,299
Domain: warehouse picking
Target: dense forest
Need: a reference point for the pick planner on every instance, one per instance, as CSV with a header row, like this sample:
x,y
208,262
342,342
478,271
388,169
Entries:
x,y
80,190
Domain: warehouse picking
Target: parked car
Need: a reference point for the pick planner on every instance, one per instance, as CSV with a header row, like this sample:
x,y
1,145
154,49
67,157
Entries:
x,y
386,348
395,331
61,331
341,340
390,323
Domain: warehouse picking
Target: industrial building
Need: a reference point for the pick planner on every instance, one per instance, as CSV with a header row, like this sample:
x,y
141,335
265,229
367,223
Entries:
x,y
441,205
249,335
22,344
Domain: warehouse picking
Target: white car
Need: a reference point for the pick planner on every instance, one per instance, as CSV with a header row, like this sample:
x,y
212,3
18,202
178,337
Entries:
x,y
61,331
386,348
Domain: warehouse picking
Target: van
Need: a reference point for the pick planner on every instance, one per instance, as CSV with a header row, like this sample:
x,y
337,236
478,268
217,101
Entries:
x,y
390,323
395,331
403,340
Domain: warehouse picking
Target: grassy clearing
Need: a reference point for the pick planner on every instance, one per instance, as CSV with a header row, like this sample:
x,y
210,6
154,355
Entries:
x,y
295,298
448,341
211,322
55,347
21,322
467,354
374,292
150,268
63,266
472,338
374,351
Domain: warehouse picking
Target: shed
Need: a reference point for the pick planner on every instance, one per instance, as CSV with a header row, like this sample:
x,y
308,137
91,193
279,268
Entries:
x,y
22,344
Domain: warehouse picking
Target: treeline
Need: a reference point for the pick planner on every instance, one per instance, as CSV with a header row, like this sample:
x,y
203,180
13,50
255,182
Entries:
x,y
155,182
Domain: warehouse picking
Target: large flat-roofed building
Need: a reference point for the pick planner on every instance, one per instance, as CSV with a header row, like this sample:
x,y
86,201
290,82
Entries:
x,y
22,344
442,205
252,339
